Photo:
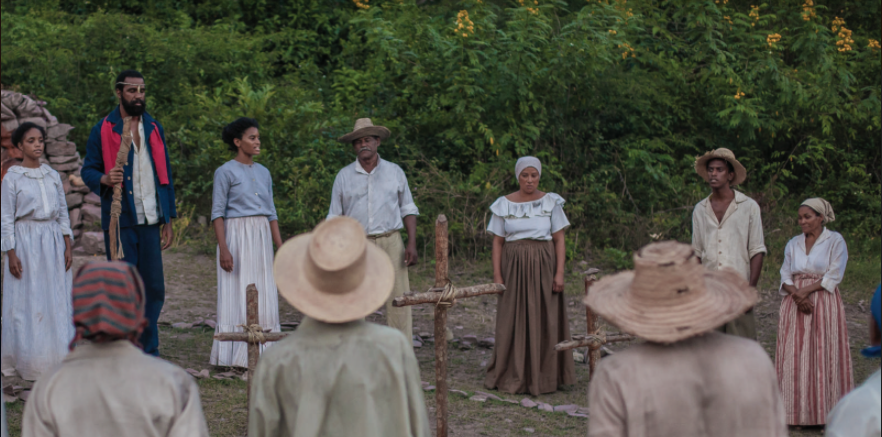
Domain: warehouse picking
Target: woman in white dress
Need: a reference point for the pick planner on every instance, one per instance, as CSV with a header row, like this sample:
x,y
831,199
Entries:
x,y
246,226
37,281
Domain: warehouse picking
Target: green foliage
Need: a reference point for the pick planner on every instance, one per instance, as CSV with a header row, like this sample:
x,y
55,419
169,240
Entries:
x,y
617,98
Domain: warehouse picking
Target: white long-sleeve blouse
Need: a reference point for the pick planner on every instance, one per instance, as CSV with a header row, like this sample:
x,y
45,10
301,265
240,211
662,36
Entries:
x,y
828,257
32,194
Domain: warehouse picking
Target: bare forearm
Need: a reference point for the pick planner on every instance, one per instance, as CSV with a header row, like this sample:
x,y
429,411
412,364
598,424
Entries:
x,y
410,224
809,289
756,267
498,242
67,244
560,252
220,233
277,235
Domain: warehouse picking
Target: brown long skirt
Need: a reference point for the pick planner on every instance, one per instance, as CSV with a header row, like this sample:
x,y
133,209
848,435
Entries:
x,y
530,320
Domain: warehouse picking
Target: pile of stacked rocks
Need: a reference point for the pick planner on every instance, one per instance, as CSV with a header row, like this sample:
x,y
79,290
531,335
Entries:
x,y
60,154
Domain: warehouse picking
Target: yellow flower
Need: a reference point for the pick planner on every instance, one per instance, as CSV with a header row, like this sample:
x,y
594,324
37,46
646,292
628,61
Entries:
x,y
773,38
808,10
491,141
874,44
464,24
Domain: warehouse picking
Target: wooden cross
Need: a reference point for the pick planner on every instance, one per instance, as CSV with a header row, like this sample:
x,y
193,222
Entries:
x,y
252,317
596,338
434,296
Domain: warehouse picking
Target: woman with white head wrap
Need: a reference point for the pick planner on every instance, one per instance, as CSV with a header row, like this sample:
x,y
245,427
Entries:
x,y
528,257
813,360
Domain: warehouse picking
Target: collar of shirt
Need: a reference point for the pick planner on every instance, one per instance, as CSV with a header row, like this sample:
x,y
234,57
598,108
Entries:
x,y
361,169
825,234
90,350
733,206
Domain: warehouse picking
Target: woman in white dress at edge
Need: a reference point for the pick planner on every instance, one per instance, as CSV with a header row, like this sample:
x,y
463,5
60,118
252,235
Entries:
x,y
246,226
37,281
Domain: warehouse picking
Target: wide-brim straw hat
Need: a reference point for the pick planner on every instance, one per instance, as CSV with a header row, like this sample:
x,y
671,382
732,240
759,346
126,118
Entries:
x,y
364,127
670,296
332,274
721,153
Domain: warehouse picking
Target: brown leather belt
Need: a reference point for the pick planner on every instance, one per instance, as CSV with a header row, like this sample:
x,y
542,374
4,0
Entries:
x,y
378,236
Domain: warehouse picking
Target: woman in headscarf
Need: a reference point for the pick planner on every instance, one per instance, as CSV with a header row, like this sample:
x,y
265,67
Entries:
x,y
37,238
528,258
813,360
246,226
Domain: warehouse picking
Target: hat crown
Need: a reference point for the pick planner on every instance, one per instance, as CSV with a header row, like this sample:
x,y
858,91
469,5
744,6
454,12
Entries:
x,y
724,153
362,123
336,255
668,272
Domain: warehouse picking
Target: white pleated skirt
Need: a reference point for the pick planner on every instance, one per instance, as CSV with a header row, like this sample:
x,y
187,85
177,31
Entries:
x,y
251,244
38,308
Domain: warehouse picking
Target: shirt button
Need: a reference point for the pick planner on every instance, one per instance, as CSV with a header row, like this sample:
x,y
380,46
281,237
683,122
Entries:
x,y
256,194
130,192
129,178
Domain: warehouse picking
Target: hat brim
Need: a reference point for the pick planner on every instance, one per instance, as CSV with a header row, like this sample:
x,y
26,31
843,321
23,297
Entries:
x,y
728,296
367,297
701,168
371,131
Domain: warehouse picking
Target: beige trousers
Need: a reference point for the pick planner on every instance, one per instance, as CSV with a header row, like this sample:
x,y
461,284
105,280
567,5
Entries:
x,y
398,318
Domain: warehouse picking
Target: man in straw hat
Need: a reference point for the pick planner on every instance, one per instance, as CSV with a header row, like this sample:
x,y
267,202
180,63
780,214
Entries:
x,y
727,230
107,386
687,379
375,192
337,375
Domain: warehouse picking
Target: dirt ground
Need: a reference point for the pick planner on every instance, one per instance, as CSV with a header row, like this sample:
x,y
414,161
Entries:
x,y
191,295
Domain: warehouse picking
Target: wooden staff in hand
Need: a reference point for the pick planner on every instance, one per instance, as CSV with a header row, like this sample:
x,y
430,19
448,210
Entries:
x,y
125,145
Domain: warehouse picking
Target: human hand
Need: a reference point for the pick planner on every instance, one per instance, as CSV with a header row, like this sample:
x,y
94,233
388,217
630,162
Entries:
x,y
115,177
226,260
68,259
805,306
497,279
558,285
14,264
168,236
410,254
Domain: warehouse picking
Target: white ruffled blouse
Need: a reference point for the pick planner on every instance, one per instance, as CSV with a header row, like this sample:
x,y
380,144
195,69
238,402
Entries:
x,y
32,194
828,258
534,220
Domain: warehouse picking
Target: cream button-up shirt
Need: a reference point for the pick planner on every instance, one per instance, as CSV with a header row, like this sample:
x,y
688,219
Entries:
x,y
731,242
379,200
143,183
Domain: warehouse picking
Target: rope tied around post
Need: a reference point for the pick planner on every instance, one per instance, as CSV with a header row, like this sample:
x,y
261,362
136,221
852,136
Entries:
x,y
448,295
255,333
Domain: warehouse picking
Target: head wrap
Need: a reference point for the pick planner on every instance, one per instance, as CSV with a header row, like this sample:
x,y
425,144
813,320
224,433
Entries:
x,y
108,302
821,207
876,309
526,162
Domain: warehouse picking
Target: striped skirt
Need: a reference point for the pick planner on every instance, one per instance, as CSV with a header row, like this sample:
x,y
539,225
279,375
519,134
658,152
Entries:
x,y
251,244
813,360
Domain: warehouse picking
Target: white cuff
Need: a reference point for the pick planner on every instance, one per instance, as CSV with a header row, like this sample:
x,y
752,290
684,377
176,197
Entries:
x,y
409,209
7,243
781,287
829,285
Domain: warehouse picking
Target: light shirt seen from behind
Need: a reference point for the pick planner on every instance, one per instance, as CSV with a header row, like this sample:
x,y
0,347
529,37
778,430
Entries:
x,y
859,414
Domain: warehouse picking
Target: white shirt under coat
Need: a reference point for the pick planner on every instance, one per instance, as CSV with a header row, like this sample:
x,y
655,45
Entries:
x,y
533,220
828,258
379,200
143,184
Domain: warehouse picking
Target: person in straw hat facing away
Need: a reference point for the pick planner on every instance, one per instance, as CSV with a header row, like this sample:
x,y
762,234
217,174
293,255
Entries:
x,y
107,386
813,358
687,380
337,375
727,230
375,192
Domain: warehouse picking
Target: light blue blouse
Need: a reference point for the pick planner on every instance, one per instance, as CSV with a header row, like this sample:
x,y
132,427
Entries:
x,y
242,190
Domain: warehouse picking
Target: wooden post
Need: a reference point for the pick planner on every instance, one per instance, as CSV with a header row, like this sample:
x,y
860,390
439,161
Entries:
x,y
434,296
441,279
591,320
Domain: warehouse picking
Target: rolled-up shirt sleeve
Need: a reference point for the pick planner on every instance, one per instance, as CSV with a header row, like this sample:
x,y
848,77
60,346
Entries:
x,y
836,270
7,215
405,199
786,268
219,194
756,242
336,208
63,218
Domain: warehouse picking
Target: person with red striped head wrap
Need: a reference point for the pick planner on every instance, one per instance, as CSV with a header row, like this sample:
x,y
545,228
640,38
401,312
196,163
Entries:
x,y
107,377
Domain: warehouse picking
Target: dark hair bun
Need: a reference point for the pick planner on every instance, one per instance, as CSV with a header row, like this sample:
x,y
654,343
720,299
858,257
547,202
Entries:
x,y
236,129
22,129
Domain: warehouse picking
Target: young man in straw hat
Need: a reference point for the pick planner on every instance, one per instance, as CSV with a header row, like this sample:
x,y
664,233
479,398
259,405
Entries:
x,y
727,230
375,192
699,382
337,375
